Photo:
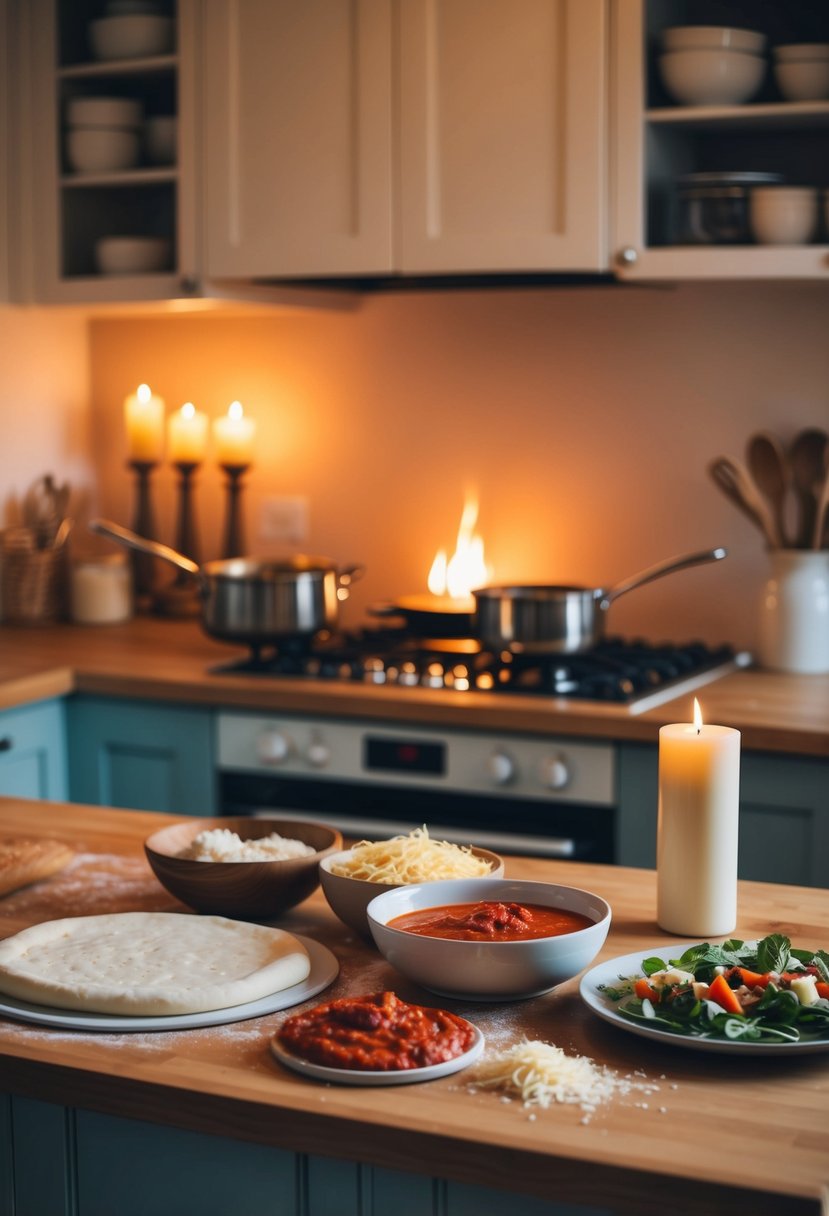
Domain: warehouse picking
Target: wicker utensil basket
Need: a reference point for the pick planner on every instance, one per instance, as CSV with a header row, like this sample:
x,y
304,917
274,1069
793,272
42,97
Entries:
x,y
33,582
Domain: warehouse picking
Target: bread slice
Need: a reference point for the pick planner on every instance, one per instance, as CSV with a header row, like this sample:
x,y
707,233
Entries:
x,y
23,861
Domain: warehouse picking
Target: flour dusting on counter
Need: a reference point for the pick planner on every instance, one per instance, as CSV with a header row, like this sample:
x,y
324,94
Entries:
x,y
90,883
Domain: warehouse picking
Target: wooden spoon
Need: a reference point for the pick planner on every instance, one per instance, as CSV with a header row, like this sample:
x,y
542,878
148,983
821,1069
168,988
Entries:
x,y
770,469
736,483
822,513
807,457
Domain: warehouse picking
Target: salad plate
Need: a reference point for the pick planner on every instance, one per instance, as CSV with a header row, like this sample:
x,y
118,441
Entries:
x,y
597,985
402,1076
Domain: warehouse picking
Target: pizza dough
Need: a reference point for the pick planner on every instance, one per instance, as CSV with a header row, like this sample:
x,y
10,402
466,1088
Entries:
x,y
149,963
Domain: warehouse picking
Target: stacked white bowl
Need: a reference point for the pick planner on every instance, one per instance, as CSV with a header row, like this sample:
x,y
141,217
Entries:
x,y
103,134
711,65
802,71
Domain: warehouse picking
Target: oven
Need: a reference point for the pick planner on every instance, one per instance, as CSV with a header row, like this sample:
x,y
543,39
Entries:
x,y
533,795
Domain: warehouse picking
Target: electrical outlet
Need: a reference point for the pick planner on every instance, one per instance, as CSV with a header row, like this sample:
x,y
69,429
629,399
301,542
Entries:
x,y
284,519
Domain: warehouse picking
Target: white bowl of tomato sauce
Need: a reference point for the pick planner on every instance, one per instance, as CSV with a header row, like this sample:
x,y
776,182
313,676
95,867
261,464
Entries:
x,y
489,939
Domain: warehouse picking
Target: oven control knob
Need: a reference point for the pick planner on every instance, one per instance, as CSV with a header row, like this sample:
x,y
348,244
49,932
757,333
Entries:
x,y
318,754
554,773
273,747
500,767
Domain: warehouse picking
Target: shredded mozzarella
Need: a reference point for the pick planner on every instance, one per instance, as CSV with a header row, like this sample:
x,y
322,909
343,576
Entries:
x,y
540,1074
412,858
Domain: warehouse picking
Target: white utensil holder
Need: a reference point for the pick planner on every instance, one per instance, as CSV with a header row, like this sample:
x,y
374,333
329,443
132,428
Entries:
x,y
794,613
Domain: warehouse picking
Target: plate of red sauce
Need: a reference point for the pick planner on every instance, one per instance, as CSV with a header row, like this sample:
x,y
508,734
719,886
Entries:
x,y
376,1039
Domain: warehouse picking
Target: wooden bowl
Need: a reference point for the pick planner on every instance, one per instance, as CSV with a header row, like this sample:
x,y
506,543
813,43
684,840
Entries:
x,y
348,898
244,889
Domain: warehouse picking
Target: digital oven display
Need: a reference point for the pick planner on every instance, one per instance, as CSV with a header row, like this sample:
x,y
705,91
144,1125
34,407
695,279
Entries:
x,y
403,756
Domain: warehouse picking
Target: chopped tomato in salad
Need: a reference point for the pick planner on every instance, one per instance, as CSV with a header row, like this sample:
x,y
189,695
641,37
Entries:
x,y
763,991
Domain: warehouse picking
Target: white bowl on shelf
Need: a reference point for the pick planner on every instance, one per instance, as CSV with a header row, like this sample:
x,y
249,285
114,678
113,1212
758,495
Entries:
x,y
131,36
160,139
132,254
711,77
122,113
712,37
803,79
784,215
101,149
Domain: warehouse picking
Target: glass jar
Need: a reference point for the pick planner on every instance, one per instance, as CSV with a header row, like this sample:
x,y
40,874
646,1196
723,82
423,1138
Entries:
x,y
101,591
794,612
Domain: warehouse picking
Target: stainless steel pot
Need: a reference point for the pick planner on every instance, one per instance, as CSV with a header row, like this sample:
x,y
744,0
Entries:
x,y
560,620
251,600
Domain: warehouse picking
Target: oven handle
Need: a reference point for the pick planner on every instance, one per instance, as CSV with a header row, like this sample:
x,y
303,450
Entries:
x,y
509,842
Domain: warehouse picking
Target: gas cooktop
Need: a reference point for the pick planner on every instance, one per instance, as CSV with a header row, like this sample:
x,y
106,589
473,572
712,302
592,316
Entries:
x,y
636,674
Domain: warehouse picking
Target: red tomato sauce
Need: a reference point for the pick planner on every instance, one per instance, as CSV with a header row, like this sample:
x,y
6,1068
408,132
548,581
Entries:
x,y
490,921
376,1033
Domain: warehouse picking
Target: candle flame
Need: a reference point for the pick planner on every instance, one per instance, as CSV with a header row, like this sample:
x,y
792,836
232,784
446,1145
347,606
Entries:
x,y
466,569
697,716
188,410
143,393
234,410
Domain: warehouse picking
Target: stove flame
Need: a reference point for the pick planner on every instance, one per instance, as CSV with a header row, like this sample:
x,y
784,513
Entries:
x,y
458,575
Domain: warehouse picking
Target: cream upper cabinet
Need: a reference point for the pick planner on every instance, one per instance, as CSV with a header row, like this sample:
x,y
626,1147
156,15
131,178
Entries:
x,y
298,113
501,140
348,137
656,142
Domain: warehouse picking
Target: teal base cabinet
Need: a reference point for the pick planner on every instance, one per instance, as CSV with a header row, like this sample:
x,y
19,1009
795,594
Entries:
x,y
66,1162
143,755
33,751
784,815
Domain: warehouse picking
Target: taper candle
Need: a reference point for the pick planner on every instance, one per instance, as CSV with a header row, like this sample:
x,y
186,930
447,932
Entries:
x,y
144,421
233,435
699,803
187,435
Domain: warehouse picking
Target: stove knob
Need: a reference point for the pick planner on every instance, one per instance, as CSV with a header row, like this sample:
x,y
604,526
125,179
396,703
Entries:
x,y
501,767
273,747
554,773
318,754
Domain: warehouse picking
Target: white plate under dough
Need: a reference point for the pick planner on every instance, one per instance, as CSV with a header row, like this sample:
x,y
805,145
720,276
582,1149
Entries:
x,y
149,963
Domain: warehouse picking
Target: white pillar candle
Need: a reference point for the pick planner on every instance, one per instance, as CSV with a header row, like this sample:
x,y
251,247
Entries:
x,y
696,856
144,420
233,436
187,435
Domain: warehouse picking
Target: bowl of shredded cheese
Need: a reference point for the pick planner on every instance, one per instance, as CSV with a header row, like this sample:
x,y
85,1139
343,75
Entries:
x,y
241,867
350,879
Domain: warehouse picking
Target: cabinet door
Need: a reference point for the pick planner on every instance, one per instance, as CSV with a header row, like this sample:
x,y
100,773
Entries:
x,y
141,755
298,137
501,135
33,752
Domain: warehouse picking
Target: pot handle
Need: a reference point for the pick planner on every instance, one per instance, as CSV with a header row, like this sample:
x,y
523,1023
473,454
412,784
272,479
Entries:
x,y
123,536
605,598
347,576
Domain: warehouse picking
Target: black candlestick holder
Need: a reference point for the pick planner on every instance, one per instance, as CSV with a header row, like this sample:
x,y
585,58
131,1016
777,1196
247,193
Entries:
x,y
181,597
234,542
143,569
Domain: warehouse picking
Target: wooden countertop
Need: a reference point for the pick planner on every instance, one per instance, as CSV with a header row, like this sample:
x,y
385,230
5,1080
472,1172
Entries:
x,y
175,661
721,1132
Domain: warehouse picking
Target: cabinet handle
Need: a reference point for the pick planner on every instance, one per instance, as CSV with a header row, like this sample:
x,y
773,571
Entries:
x,y
6,743
628,256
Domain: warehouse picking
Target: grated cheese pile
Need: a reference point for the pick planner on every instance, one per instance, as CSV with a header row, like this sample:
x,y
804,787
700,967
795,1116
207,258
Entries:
x,y
408,859
541,1074
220,844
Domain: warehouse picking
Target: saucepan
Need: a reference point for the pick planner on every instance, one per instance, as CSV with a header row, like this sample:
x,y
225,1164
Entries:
x,y
252,600
560,620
